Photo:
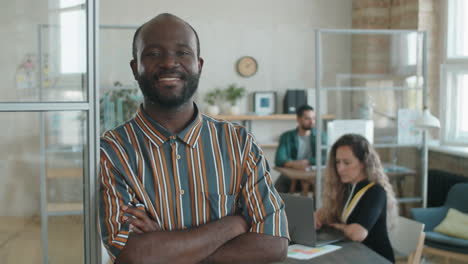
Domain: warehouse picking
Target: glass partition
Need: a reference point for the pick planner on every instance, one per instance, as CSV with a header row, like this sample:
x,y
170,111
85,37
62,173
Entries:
x,y
45,51
41,188
377,77
49,138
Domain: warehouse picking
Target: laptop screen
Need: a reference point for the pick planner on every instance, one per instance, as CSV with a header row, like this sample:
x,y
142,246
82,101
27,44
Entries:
x,y
300,213
301,226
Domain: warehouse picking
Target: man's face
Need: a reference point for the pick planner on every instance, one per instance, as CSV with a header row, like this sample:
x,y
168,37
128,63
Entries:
x,y
167,67
307,120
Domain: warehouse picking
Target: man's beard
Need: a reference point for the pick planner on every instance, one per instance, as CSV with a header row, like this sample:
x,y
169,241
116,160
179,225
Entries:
x,y
153,95
306,128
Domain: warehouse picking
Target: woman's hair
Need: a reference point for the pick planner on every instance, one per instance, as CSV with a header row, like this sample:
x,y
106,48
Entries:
x,y
334,189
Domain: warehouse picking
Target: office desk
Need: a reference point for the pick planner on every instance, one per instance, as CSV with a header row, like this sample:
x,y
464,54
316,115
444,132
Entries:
x,y
351,252
306,178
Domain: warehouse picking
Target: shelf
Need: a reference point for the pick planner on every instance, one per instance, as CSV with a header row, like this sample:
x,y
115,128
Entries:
x,y
64,208
64,173
269,145
395,145
357,88
265,117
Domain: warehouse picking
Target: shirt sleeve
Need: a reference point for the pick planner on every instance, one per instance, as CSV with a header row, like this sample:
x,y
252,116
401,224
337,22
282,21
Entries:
x,y
114,192
369,208
283,154
262,206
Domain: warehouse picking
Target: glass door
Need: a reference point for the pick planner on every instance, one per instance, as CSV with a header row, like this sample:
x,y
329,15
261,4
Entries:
x,y
48,143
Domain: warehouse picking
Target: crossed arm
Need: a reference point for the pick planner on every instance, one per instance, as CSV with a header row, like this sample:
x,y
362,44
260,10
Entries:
x,y
223,241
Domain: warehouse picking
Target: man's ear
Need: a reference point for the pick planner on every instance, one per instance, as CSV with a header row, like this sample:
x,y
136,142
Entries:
x,y
200,64
134,66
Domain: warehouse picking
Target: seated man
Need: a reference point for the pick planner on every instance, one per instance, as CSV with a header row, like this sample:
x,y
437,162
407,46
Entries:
x,y
297,147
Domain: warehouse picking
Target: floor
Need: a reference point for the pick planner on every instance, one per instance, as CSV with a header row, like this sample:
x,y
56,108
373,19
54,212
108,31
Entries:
x,y
434,260
20,240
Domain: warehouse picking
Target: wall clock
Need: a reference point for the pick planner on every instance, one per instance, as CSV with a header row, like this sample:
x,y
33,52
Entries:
x,y
247,66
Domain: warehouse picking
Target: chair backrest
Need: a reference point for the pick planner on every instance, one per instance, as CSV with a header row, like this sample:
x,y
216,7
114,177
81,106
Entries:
x,y
457,197
408,239
415,257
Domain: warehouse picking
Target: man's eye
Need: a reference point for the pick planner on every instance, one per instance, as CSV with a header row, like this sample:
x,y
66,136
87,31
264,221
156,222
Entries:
x,y
183,53
154,53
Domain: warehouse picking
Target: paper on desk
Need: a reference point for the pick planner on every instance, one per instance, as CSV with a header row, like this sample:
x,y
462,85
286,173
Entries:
x,y
302,252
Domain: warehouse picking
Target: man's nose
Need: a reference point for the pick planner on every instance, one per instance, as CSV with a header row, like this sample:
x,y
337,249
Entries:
x,y
169,61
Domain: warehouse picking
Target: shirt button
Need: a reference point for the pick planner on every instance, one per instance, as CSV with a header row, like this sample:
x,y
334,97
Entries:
x,y
178,156
182,192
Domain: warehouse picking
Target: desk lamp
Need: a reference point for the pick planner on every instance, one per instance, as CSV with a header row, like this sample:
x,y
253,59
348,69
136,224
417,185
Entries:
x,y
425,122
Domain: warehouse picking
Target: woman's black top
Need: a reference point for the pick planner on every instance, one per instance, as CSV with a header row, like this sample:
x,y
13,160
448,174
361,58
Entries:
x,y
371,213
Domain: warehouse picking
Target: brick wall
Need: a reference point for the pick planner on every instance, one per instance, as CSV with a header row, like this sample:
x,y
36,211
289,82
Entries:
x,y
448,162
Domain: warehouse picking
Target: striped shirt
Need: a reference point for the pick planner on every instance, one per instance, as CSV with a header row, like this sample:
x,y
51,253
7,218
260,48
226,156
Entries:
x,y
209,170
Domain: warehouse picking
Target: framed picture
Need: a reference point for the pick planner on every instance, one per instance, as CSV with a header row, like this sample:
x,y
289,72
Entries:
x,y
264,103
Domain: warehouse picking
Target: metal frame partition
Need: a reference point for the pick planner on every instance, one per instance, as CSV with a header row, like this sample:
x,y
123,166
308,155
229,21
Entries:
x,y
91,153
422,37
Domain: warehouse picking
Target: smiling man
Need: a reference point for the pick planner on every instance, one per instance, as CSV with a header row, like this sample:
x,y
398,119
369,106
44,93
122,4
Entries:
x,y
178,186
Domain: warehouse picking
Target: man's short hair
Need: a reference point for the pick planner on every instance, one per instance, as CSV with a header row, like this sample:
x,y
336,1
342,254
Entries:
x,y
301,109
137,32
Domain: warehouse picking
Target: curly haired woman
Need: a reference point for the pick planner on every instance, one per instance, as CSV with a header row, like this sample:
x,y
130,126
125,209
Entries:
x,y
358,198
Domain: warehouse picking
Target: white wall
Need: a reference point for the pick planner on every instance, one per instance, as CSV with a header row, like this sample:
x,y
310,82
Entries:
x,y
277,33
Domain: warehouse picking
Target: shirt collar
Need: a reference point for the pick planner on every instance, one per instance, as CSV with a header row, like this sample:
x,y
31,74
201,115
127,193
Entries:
x,y
159,135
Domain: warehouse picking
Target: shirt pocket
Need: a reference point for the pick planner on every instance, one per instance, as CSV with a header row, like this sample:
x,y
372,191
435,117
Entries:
x,y
220,205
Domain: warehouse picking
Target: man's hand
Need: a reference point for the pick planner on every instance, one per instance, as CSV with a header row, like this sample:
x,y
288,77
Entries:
x,y
140,222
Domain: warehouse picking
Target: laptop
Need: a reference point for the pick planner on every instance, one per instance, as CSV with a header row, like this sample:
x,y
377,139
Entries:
x,y
301,223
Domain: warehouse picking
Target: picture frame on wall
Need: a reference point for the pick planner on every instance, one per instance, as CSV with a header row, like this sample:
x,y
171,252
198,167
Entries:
x,y
264,103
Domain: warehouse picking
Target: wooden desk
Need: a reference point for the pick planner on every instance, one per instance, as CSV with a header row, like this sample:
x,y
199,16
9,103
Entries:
x,y
351,252
306,178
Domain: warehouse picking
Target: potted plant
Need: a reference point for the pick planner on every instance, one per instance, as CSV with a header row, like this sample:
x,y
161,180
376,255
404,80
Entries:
x,y
232,94
118,105
211,99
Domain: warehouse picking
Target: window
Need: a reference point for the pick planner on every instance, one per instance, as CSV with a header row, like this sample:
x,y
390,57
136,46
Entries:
x,y
72,36
406,49
457,29
454,79
455,127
